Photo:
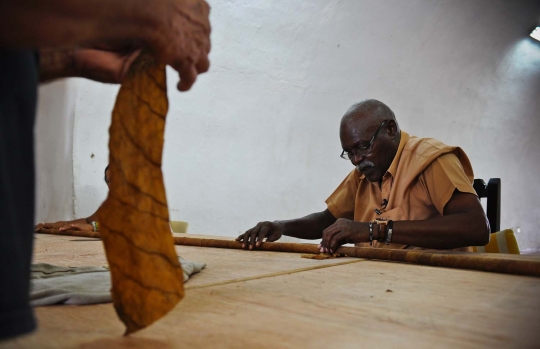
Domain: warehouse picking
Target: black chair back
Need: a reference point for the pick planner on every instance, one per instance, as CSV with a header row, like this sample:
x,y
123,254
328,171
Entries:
x,y
492,192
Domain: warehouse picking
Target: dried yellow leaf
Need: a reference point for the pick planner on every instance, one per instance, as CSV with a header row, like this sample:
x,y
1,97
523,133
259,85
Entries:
x,y
147,279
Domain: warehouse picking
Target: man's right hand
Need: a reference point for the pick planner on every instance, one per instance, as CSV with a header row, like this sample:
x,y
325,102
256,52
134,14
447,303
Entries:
x,y
182,37
255,236
176,32
56,225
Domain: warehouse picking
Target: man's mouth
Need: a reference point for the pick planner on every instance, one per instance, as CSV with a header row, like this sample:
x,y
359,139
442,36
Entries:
x,y
364,168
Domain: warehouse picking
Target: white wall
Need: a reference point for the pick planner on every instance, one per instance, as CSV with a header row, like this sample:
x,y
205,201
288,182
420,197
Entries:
x,y
54,151
257,137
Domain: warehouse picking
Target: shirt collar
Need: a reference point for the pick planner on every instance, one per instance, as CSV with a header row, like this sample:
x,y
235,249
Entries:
x,y
393,166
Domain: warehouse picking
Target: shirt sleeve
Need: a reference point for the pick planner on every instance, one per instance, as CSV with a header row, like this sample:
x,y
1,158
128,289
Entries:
x,y
341,202
443,177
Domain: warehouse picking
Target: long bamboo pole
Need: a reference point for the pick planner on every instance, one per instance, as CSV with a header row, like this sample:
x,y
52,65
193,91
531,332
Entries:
x,y
490,262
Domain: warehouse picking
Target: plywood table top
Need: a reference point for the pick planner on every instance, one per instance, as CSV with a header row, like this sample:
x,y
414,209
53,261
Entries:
x,y
279,300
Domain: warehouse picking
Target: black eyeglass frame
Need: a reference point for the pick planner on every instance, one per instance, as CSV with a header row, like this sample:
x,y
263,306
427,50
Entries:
x,y
362,149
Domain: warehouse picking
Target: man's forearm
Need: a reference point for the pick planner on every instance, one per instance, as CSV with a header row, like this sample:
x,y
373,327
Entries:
x,y
61,23
56,63
309,227
463,224
453,231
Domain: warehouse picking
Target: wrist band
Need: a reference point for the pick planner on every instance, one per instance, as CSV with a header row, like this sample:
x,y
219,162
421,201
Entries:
x,y
370,233
95,225
382,223
390,231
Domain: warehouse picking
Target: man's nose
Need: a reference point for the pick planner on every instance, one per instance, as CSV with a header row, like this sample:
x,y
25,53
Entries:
x,y
356,159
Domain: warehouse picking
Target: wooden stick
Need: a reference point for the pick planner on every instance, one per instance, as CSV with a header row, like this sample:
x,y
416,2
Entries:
x,y
490,262
451,259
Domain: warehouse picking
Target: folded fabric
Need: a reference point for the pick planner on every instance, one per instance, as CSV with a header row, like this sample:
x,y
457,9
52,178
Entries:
x,y
503,241
53,284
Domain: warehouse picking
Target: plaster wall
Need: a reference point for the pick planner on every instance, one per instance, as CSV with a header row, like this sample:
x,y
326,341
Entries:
x,y
54,151
257,137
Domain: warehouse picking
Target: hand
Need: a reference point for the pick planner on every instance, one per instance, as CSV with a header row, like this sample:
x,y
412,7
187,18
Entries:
x,y
99,63
254,237
177,32
343,231
182,37
79,226
56,225
104,65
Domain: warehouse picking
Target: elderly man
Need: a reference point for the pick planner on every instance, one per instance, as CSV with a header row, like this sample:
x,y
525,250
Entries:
x,y
405,192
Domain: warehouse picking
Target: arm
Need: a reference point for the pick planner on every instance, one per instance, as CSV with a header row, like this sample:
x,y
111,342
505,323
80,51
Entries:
x,y
95,64
59,224
308,227
462,224
76,224
175,31
62,23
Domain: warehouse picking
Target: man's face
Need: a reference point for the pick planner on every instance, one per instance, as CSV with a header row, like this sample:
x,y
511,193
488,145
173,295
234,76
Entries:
x,y
374,161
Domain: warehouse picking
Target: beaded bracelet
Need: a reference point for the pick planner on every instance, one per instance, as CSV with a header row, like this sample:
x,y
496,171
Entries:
x,y
390,230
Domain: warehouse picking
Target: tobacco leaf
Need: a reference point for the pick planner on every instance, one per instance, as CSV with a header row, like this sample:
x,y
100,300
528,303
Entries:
x,y
147,279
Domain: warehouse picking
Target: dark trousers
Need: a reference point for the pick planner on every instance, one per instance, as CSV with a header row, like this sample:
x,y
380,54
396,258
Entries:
x,y
18,93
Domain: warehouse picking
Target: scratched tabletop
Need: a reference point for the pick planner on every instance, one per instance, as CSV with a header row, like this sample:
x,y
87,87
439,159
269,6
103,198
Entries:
x,y
279,300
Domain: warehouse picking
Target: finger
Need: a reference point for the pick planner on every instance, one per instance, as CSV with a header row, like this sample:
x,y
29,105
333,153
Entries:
x,y
263,232
328,234
127,63
203,64
188,75
252,238
243,238
336,242
240,237
248,235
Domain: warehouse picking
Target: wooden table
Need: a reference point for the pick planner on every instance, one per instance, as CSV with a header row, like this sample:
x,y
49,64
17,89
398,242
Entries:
x,y
279,300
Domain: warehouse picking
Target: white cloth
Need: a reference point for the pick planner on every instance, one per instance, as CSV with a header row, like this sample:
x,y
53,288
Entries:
x,y
53,284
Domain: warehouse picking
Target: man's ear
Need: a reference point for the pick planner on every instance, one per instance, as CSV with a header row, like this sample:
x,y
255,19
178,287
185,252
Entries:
x,y
392,129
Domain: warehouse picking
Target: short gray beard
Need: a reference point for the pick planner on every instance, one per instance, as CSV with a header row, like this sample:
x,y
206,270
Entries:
x,y
364,164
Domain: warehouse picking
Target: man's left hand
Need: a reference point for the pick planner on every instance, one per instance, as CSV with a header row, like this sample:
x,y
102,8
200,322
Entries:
x,y
343,231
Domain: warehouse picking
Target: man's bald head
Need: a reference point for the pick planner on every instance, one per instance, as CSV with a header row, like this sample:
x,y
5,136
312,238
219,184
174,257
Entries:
x,y
370,135
370,111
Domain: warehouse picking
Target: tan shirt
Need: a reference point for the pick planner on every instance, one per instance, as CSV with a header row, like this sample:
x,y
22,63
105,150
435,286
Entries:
x,y
420,181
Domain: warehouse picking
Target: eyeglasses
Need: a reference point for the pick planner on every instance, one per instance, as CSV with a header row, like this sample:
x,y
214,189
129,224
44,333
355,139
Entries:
x,y
362,149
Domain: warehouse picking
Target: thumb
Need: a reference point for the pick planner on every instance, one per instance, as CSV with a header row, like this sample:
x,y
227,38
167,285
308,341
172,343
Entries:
x,y
128,61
